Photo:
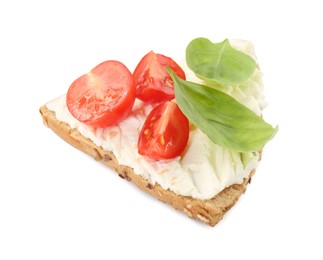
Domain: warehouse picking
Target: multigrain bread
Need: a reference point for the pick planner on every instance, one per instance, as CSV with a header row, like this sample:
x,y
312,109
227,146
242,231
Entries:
x,y
209,211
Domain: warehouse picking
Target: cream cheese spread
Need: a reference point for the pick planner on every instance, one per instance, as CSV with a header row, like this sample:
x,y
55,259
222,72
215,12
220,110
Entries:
x,y
205,169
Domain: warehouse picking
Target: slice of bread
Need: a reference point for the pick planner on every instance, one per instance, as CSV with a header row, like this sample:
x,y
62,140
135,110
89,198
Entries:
x,y
209,211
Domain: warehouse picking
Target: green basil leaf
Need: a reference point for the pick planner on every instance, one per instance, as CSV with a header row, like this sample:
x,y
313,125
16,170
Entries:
x,y
223,119
218,62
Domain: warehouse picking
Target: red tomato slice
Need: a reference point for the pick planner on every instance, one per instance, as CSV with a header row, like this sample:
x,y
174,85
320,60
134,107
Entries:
x,y
165,132
152,80
104,96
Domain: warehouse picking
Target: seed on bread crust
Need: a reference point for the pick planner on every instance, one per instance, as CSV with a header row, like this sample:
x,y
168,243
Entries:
x,y
149,186
107,158
124,175
203,218
96,155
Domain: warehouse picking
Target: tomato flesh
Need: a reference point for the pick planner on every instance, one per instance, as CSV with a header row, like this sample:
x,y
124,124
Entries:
x,y
152,81
165,132
104,96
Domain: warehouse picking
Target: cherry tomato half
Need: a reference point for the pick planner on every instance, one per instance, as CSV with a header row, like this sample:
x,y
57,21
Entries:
x,y
104,96
152,80
165,132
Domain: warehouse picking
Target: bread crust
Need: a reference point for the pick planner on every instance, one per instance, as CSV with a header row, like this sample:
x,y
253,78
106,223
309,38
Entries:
x,y
209,211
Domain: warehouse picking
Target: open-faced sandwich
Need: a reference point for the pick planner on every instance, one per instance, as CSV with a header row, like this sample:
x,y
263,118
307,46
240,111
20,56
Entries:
x,y
192,139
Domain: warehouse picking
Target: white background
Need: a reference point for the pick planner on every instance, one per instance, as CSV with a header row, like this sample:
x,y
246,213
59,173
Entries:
x,y
56,203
